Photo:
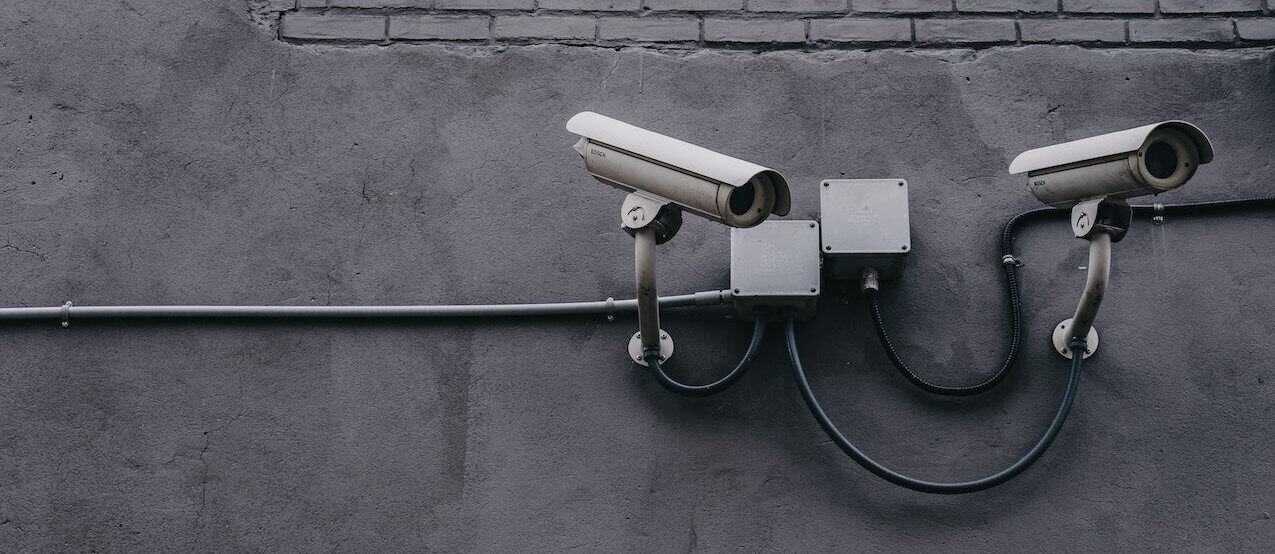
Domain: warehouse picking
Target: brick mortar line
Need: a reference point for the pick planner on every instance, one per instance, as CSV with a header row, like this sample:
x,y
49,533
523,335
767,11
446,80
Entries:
x,y
740,16
810,47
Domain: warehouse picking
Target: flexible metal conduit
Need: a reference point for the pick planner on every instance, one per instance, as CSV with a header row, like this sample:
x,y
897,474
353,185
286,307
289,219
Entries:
x,y
1060,416
652,357
1010,263
605,307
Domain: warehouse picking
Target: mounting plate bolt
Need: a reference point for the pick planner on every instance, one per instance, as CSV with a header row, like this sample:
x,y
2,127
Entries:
x,y
635,348
1062,339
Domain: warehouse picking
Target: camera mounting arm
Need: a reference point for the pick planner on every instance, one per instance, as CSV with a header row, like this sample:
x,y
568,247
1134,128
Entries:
x,y
651,221
1101,221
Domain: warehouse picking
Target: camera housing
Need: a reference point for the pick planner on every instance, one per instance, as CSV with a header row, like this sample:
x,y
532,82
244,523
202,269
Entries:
x,y
707,183
1144,160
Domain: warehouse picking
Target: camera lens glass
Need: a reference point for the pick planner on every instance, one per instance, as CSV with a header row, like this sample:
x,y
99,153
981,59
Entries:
x,y
741,199
1161,160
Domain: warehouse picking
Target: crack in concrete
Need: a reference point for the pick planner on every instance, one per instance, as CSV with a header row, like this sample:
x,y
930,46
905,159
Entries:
x,y
32,252
203,491
15,524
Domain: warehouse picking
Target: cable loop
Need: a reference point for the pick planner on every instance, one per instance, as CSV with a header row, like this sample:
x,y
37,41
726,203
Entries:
x,y
905,481
652,358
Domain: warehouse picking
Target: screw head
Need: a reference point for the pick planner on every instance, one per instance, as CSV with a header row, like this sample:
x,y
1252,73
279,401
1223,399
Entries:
x,y
900,183
812,225
736,291
827,248
813,289
905,247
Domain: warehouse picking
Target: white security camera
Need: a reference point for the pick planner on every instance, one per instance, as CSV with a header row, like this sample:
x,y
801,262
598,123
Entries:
x,y
707,183
1145,160
1094,176
664,176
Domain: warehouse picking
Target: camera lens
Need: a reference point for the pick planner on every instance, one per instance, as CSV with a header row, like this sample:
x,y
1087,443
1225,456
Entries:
x,y
741,199
1161,160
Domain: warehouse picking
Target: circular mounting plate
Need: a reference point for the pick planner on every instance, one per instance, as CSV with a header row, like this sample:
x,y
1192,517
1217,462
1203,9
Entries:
x,y
1062,332
635,348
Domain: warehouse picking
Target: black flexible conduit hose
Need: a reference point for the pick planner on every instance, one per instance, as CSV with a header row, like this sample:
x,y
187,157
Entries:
x,y
652,357
1077,345
1010,265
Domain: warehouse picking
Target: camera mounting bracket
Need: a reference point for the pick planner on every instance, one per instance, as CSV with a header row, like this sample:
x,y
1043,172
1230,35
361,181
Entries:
x,y
1101,221
641,211
1110,216
651,221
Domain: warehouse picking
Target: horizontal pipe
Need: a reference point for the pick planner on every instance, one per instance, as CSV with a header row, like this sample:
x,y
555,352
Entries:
x,y
706,298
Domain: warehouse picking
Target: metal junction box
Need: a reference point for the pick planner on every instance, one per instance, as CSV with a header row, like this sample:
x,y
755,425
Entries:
x,y
775,267
865,224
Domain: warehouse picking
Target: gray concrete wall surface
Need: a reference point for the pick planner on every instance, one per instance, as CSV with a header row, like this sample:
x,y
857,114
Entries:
x,y
166,152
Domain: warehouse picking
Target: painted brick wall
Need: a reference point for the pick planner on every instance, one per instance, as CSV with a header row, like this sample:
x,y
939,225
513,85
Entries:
x,y
778,24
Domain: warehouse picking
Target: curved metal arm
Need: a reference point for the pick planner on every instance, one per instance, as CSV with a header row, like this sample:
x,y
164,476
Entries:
x,y
1095,285
648,300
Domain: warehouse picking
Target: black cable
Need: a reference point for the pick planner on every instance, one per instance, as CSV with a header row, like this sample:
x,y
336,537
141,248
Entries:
x,y
1015,340
1196,208
652,357
1010,265
1077,345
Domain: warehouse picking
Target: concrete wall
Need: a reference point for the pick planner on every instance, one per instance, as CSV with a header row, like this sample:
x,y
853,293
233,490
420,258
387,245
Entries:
x,y
172,152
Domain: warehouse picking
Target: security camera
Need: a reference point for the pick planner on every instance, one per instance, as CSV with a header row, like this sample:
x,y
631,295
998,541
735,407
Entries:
x,y
1145,160
704,182
664,176
1094,177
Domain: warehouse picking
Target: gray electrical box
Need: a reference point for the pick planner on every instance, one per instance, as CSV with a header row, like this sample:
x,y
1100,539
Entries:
x,y
775,267
865,224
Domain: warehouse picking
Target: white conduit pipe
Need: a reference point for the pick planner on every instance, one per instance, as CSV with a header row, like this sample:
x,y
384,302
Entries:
x,y
606,307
